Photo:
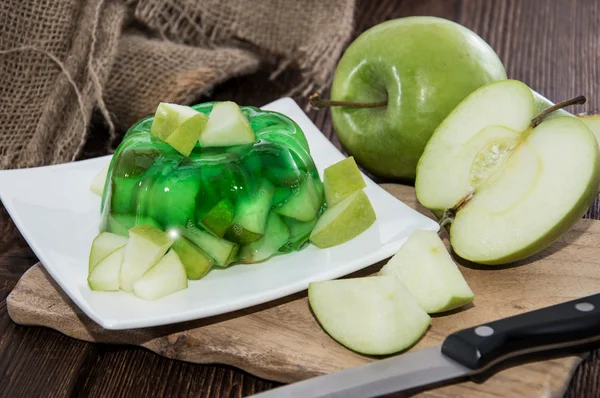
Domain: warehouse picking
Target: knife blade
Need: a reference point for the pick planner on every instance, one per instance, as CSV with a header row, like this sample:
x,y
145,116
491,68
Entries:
x,y
462,354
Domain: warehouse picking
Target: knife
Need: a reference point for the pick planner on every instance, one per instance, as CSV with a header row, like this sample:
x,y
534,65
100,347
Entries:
x,y
465,353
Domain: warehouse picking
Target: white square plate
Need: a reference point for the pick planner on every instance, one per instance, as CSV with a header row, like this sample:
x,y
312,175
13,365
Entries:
x,y
59,217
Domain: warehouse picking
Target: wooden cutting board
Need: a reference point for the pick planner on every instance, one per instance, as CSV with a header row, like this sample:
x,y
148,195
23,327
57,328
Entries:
x,y
282,341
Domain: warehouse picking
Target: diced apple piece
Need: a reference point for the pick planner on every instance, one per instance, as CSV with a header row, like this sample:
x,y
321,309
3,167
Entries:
x,y
344,221
166,277
304,204
223,252
299,233
105,275
168,117
97,185
227,126
276,235
251,215
342,179
146,246
219,218
185,136
104,244
425,268
196,262
374,315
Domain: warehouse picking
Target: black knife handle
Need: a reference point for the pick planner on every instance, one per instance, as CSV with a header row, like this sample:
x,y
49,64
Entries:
x,y
562,325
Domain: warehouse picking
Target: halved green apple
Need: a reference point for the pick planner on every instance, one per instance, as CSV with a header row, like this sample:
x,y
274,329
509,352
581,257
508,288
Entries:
x,y
166,277
226,126
511,185
146,246
342,179
425,268
344,221
374,315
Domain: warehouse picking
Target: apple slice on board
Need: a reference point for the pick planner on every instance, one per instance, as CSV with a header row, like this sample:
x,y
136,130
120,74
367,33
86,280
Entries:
x,y
510,182
374,315
425,268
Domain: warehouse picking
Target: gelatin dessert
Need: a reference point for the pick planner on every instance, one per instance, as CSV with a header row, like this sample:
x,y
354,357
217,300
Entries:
x,y
211,185
249,200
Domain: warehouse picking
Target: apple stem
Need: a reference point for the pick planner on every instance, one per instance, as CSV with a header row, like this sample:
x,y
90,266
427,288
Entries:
x,y
573,101
317,102
449,214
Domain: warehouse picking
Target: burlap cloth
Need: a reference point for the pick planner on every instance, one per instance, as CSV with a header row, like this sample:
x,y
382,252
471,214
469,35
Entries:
x,y
61,59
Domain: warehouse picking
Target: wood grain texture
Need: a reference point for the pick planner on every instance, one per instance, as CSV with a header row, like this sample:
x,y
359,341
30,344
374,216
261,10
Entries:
x,y
554,46
282,340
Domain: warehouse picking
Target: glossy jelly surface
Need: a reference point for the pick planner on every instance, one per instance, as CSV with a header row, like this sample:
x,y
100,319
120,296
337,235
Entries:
x,y
264,197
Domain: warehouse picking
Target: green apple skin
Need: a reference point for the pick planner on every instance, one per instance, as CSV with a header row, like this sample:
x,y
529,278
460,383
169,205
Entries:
x,y
423,67
570,217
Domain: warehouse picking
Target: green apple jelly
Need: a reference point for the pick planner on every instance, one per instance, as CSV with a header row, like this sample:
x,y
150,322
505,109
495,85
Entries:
x,y
244,202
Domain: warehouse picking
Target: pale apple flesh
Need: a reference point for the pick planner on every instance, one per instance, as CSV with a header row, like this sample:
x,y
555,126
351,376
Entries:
x,y
342,179
374,315
146,246
425,268
226,126
513,189
166,277
344,221
593,123
97,185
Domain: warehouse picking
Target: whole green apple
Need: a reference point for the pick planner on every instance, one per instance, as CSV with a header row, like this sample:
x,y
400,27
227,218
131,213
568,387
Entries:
x,y
422,67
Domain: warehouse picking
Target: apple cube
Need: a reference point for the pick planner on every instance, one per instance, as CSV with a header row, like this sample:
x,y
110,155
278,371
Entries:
x,y
185,136
222,251
276,235
105,275
97,185
146,246
374,315
166,277
196,262
344,221
104,244
169,117
342,179
425,268
227,126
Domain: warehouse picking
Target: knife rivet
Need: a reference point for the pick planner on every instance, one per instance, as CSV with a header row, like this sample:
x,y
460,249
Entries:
x,y
484,331
584,307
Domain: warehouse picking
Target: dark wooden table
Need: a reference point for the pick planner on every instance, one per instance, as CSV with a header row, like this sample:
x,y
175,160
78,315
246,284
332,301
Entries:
x,y
552,45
